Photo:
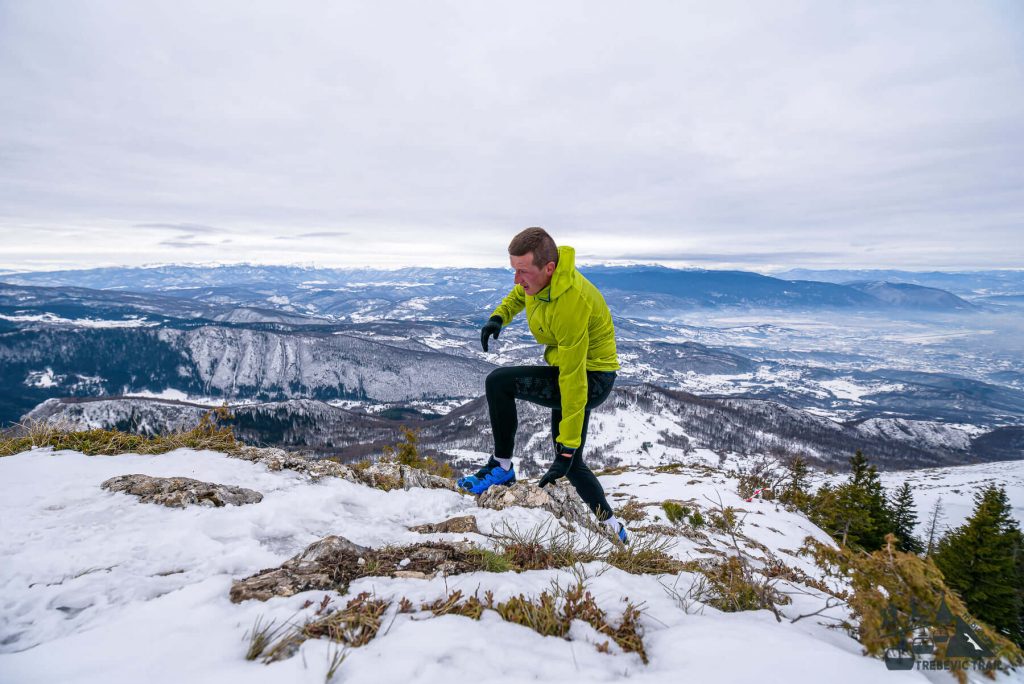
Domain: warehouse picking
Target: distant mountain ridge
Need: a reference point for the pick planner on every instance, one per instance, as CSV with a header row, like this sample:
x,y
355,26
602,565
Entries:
x,y
966,283
913,296
631,289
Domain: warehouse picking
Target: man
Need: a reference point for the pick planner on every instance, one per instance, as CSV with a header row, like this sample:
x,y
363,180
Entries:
x,y
569,315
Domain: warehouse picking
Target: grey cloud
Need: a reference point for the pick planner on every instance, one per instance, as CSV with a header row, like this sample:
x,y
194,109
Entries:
x,y
190,228
185,242
725,257
316,234
812,126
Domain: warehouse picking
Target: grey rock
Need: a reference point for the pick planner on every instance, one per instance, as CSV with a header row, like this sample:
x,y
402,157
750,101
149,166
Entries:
x,y
279,459
389,476
328,548
333,562
559,498
178,492
379,475
459,525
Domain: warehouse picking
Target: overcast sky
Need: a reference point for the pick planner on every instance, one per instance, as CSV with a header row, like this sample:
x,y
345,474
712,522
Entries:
x,y
758,135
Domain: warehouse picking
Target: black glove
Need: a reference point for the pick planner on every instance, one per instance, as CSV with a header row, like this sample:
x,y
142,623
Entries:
x,y
564,457
491,328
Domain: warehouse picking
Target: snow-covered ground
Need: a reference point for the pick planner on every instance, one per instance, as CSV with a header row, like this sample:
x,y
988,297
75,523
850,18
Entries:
x,y
129,322
98,587
178,395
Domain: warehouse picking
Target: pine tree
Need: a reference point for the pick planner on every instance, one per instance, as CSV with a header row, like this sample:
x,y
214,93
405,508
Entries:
x,y
856,512
795,492
904,520
868,485
933,528
981,560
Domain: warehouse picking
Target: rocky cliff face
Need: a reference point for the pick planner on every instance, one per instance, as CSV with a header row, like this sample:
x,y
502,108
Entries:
x,y
244,362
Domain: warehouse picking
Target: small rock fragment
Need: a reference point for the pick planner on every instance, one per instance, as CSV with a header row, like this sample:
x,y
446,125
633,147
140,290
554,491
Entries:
x,y
178,492
459,525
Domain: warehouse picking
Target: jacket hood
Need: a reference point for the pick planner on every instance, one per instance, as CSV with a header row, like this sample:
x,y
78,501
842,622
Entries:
x,y
565,271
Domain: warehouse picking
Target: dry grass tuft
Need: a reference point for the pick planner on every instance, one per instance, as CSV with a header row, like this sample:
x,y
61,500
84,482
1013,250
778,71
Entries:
x,y
537,548
208,434
551,614
356,625
632,511
612,470
733,587
454,604
645,556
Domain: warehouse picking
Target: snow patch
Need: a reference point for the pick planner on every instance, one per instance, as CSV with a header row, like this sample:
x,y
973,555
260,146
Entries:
x,y
49,318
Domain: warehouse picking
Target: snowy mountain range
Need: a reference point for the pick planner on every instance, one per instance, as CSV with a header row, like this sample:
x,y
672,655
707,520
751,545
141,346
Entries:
x,y
915,374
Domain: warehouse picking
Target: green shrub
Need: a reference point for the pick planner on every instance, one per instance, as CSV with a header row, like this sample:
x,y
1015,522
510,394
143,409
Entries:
x,y
891,590
724,520
675,512
407,452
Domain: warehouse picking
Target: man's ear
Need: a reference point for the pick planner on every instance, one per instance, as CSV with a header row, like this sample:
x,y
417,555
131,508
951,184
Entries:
x,y
550,268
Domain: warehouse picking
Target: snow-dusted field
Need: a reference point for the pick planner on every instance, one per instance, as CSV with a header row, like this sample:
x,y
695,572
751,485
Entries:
x,y
130,322
98,587
956,487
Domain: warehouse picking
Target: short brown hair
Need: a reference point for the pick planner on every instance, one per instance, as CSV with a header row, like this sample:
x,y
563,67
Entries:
x,y
535,240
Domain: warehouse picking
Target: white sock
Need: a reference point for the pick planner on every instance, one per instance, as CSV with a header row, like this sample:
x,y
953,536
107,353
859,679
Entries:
x,y
613,523
505,463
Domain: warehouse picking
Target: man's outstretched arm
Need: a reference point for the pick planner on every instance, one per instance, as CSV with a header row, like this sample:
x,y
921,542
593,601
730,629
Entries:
x,y
511,305
503,315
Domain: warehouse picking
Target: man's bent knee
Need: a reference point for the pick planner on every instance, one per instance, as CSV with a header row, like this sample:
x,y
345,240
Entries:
x,y
498,379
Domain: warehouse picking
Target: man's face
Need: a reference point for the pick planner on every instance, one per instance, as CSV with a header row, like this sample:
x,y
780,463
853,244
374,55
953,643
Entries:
x,y
532,279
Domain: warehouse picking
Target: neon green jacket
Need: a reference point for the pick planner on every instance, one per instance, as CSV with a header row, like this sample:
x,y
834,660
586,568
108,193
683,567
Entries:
x,y
571,317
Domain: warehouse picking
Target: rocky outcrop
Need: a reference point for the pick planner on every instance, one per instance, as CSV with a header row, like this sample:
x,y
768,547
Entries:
x,y
383,475
334,562
460,525
279,459
389,476
178,492
559,498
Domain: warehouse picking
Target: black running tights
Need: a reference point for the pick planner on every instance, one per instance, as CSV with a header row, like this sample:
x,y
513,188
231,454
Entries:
x,y
539,384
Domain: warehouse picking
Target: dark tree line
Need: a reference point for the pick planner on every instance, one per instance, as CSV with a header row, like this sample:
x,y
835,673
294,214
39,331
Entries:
x,y
982,559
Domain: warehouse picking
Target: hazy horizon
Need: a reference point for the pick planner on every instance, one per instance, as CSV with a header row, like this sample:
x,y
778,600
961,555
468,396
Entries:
x,y
584,264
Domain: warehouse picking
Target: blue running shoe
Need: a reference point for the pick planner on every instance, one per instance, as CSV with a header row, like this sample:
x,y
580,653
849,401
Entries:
x,y
496,476
471,480
623,537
